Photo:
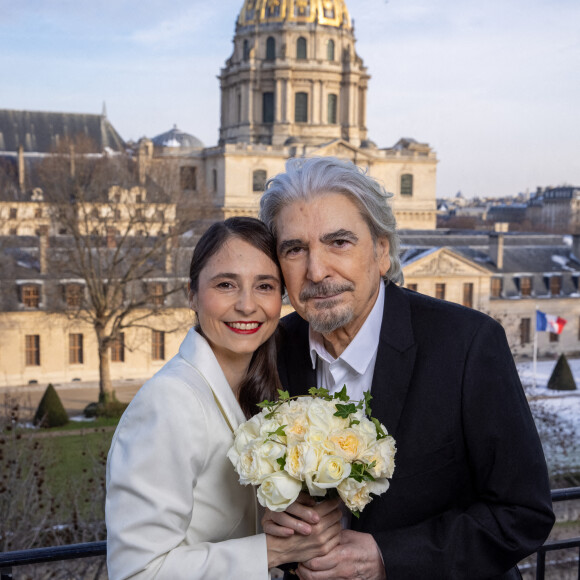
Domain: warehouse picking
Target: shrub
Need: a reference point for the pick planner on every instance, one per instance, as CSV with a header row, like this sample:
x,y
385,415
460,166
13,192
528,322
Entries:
x,y
562,378
50,412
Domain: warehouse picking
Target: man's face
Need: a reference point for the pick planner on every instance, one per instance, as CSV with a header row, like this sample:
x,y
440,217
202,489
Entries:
x,y
331,266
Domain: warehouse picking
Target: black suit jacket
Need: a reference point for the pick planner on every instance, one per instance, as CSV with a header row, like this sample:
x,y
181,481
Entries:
x,y
470,495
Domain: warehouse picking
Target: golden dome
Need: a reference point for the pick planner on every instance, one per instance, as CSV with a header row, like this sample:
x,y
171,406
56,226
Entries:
x,y
325,12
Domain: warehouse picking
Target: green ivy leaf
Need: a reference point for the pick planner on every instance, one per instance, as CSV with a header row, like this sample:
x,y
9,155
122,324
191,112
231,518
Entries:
x,y
283,395
279,432
320,392
342,395
368,398
380,432
281,461
345,410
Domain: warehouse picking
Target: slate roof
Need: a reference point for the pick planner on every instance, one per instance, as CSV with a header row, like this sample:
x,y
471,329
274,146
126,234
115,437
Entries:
x,y
40,132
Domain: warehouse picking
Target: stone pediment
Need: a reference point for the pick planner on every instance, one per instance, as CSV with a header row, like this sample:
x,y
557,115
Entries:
x,y
341,149
443,262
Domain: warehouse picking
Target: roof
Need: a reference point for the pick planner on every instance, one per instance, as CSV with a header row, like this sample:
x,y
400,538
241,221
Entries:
x,y
177,138
41,132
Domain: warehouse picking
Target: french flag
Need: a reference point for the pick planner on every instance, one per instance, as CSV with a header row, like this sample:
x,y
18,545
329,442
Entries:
x,y
549,322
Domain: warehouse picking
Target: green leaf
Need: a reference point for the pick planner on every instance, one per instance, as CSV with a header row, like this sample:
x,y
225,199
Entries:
x,y
354,422
283,395
320,392
345,410
265,403
368,398
279,432
380,432
355,513
281,461
342,394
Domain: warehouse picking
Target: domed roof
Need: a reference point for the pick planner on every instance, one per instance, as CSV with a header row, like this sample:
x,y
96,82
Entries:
x,y
325,12
177,138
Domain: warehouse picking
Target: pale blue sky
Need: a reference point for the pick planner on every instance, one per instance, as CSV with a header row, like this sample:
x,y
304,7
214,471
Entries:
x,y
492,85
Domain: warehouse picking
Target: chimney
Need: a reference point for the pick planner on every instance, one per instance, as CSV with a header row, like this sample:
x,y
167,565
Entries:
x,y
144,155
21,171
44,244
496,243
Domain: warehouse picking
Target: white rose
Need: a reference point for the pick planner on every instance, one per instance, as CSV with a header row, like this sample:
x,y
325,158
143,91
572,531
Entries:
x,y
301,459
251,466
383,453
354,494
271,451
321,415
366,430
278,491
347,443
331,472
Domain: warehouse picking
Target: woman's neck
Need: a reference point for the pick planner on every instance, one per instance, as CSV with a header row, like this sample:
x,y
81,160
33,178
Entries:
x,y
234,368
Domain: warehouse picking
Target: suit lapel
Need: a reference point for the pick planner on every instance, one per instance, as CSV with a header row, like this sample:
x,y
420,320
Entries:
x,y
296,372
395,360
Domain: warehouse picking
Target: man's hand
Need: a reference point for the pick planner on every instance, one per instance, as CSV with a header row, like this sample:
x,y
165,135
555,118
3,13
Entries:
x,y
322,532
356,557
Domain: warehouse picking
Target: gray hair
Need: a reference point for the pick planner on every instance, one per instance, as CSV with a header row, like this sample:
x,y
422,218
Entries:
x,y
306,178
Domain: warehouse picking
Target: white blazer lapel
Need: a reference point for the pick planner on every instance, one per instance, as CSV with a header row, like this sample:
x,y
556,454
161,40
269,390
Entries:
x,y
195,350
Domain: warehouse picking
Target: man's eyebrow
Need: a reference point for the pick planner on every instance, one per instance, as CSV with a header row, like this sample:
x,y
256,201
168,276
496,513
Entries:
x,y
287,244
341,234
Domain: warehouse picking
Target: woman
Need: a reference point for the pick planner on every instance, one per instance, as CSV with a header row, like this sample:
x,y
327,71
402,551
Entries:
x,y
174,506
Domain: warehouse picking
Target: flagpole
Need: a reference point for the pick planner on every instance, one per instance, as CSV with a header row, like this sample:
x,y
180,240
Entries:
x,y
535,345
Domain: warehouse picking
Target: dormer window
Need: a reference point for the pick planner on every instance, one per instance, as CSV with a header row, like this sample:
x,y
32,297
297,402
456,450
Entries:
x,y
30,295
555,285
525,285
496,287
73,295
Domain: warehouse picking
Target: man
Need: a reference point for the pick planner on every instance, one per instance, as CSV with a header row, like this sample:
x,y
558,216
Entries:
x,y
470,495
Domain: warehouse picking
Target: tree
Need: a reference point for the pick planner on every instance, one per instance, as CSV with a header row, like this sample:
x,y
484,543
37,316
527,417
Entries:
x,y
562,378
50,412
111,246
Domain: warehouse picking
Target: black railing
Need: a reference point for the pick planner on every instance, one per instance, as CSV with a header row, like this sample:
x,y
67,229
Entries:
x,y
8,560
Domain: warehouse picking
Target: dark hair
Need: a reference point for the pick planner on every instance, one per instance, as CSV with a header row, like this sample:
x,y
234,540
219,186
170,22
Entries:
x,y
261,381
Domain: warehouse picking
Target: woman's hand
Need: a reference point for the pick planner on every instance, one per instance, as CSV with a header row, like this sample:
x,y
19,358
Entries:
x,y
304,531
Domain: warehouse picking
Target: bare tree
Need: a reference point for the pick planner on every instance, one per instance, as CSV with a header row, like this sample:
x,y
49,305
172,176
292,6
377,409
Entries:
x,y
113,258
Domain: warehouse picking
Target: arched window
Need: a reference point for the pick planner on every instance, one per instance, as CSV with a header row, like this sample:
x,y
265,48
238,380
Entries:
x,y
267,107
270,48
331,115
330,50
406,184
301,48
259,180
246,50
301,108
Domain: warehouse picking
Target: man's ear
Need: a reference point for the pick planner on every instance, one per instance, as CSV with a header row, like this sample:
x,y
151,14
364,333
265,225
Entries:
x,y
382,247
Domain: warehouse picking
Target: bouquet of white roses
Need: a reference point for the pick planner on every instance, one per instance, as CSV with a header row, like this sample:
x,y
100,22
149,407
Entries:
x,y
314,443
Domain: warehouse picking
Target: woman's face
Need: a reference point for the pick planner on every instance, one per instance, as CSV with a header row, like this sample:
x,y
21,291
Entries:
x,y
238,299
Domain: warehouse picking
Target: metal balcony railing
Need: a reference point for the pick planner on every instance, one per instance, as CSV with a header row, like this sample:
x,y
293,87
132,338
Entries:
x,y
9,560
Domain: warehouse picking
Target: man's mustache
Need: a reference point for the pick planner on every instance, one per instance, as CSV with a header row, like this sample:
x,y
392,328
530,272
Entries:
x,y
324,289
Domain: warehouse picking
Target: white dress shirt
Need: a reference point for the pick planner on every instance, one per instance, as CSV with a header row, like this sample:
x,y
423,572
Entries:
x,y
355,366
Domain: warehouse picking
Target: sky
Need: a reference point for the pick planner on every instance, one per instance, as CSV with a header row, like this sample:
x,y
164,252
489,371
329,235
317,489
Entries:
x,y
492,85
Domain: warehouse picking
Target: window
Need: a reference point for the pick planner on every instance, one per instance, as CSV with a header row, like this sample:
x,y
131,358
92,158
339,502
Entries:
x,y
188,178
118,348
157,293
468,294
13,213
554,337
440,291
246,50
301,48
73,295
407,184
331,116
525,286
38,212
270,48
496,287
32,350
267,107
239,108
555,285
412,287
301,108
525,326
259,180
330,50
75,349
214,179
158,345
13,231
31,295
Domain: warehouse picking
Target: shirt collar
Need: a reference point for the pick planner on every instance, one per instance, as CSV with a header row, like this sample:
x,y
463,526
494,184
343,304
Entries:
x,y
361,351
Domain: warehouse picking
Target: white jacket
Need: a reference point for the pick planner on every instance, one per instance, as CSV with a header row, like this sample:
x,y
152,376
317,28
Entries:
x,y
174,506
